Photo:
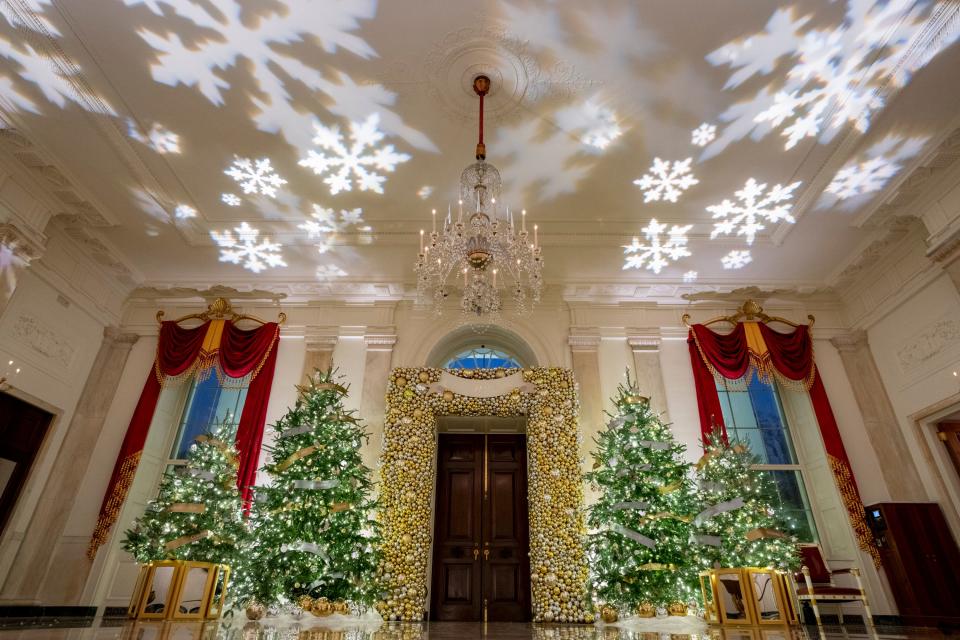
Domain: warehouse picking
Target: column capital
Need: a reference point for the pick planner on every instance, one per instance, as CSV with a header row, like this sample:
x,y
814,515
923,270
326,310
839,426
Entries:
x,y
641,340
850,341
380,338
117,336
584,339
321,338
19,243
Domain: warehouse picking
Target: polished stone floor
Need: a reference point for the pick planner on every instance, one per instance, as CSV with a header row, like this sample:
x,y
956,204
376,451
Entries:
x,y
107,630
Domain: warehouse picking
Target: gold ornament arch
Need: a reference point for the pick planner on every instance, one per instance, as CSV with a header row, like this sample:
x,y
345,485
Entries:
x,y
416,397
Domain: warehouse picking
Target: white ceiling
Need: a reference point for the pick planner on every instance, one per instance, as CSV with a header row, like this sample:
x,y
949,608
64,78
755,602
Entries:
x,y
586,96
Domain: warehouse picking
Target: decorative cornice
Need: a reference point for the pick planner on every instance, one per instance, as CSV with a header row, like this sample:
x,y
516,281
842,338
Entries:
x,y
947,249
890,235
380,338
644,343
321,338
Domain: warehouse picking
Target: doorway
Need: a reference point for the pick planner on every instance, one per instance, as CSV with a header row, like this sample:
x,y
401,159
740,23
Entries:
x,y
481,564
22,429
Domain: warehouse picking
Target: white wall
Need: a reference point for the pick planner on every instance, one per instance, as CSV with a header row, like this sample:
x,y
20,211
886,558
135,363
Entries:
x,y
55,342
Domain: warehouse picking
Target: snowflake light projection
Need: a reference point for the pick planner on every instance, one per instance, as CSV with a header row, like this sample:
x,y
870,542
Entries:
x,y
658,253
869,174
361,160
424,192
248,249
736,259
275,54
324,223
595,124
755,204
158,137
255,176
230,199
690,276
703,135
839,75
666,180
57,78
184,212
329,272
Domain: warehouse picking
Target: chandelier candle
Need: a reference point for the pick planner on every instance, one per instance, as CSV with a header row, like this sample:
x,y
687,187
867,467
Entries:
x,y
482,247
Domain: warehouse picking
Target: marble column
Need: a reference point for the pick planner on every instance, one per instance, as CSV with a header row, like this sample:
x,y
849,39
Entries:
x,y
320,343
882,427
584,344
33,574
16,252
646,365
376,372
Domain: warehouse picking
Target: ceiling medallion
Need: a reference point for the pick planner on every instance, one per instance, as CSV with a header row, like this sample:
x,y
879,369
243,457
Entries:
x,y
492,256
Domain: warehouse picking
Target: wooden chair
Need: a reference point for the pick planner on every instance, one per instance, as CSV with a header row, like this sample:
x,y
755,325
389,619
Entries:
x,y
818,585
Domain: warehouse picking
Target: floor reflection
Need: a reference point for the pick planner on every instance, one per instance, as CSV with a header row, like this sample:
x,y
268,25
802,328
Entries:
x,y
310,630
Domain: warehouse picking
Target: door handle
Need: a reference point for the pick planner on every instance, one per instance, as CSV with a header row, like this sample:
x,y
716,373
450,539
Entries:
x,y
486,554
476,554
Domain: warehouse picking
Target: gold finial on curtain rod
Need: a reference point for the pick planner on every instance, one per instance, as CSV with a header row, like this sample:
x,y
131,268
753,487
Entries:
x,y
749,311
221,309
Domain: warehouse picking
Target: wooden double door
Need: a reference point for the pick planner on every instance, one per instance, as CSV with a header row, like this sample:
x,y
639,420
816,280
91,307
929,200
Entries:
x,y
481,565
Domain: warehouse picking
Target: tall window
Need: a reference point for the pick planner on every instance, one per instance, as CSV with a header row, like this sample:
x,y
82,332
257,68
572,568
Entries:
x,y
755,416
483,357
208,406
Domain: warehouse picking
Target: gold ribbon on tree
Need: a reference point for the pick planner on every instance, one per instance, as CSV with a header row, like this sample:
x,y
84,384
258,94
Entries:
x,y
297,455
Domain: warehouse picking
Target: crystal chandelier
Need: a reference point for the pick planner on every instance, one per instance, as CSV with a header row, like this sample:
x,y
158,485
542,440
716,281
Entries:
x,y
485,257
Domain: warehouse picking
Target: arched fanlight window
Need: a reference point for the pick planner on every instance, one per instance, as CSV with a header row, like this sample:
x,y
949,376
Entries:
x,y
483,357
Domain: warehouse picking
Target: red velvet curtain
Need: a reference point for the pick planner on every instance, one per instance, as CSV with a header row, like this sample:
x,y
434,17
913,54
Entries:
x,y
790,356
238,354
241,353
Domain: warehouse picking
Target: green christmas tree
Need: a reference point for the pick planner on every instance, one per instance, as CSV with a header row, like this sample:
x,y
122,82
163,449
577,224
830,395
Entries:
x,y
737,525
313,529
197,514
639,546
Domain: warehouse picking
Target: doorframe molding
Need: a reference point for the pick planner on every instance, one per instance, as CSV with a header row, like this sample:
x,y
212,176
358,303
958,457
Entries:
x,y
547,397
939,467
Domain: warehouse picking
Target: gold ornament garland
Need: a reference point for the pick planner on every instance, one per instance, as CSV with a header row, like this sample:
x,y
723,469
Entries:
x,y
557,562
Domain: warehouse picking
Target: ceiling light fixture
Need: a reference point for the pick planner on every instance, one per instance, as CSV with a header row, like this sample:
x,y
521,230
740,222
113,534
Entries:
x,y
489,253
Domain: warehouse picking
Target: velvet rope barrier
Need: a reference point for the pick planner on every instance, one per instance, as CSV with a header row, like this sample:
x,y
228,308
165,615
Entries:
x,y
238,353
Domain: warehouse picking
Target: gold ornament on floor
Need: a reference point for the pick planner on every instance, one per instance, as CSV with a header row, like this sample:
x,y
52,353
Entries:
x,y
646,610
341,607
677,609
255,610
305,602
321,608
609,614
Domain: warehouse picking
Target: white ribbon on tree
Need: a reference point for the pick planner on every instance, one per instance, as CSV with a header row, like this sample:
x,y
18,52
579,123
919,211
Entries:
x,y
617,422
309,547
203,474
655,444
707,485
713,541
622,506
296,431
315,484
720,507
481,388
625,471
633,535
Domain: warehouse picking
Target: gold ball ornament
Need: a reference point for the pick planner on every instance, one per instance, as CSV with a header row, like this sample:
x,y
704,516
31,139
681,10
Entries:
x,y
255,610
646,610
401,381
424,376
341,607
305,602
321,608
447,396
406,538
677,609
609,614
